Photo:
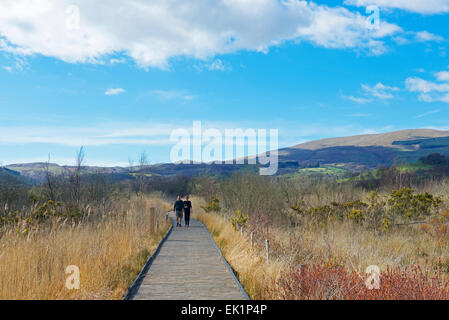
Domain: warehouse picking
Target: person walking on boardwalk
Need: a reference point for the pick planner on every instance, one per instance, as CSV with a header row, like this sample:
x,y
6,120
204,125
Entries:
x,y
187,207
178,207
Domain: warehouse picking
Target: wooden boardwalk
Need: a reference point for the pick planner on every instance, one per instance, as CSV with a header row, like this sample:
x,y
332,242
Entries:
x,y
189,267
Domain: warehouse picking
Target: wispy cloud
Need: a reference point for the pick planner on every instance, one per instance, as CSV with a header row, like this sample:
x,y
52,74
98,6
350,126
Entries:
x,y
152,134
8,68
430,91
360,115
427,36
217,65
421,36
114,91
214,65
18,63
427,114
173,95
360,100
117,60
380,90
157,134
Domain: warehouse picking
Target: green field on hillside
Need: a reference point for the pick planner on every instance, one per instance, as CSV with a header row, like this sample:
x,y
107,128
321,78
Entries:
x,y
321,171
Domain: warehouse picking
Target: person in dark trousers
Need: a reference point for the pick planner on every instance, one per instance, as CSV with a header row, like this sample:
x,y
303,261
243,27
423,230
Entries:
x,y
187,207
178,207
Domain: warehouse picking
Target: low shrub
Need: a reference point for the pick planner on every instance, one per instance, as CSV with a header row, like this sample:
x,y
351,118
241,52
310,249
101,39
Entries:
x,y
327,282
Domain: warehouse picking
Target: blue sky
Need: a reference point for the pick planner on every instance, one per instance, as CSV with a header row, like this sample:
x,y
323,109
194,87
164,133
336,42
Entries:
x,y
118,79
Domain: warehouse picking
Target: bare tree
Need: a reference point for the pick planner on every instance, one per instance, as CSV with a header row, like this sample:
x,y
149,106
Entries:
x,y
49,180
143,168
99,189
75,178
139,173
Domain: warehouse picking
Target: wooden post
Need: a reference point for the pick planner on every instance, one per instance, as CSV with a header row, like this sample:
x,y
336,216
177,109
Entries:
x,y
251,239
267,250
241,231
152,219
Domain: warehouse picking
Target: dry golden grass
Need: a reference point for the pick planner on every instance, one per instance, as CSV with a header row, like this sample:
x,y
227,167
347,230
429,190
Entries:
x,y
109,252
248,263
346,244
343,244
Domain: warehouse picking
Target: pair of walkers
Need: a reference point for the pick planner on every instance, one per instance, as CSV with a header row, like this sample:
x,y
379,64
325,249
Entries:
x,y
180,207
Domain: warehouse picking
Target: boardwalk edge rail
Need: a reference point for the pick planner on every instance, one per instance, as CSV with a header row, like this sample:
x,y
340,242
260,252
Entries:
x,y
228,266
132,290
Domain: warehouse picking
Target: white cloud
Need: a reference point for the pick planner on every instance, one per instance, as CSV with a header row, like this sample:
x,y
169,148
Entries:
x,y
430,91
442,75
215,65
151,32
112,134
173,95
158,133
218,65
418,6
117,60
360,115
420,36
360,100
427,36
114,91
341,28
427,114
420,85
379,90
18,63
8,68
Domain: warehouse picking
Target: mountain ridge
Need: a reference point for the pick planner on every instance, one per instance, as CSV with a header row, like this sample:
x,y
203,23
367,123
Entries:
x,y
353,153
373,140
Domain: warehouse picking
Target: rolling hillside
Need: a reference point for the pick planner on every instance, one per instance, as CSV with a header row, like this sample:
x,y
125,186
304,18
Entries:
x,y
36,171
368,151
339,155
374,140
10,176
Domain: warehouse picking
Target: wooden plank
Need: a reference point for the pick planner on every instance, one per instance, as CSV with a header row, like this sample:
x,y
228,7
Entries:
x,y
189,267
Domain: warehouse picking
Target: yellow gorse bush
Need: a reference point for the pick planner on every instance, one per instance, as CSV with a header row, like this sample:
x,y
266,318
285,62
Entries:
x,y
213,206
239,220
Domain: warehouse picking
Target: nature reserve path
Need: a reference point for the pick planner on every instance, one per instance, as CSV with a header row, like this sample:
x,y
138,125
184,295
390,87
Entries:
x,y
188,266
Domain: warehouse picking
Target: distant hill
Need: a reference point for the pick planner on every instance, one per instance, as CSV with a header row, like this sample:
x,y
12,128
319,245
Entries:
x,y
10,176
373,140
360,152
339,155
36,171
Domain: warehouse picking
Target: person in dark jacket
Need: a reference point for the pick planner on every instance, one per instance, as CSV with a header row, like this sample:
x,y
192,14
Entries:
x,y
187,207
178,207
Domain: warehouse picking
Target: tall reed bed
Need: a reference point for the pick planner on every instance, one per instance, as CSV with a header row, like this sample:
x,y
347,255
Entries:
x,y
109,250
313,261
